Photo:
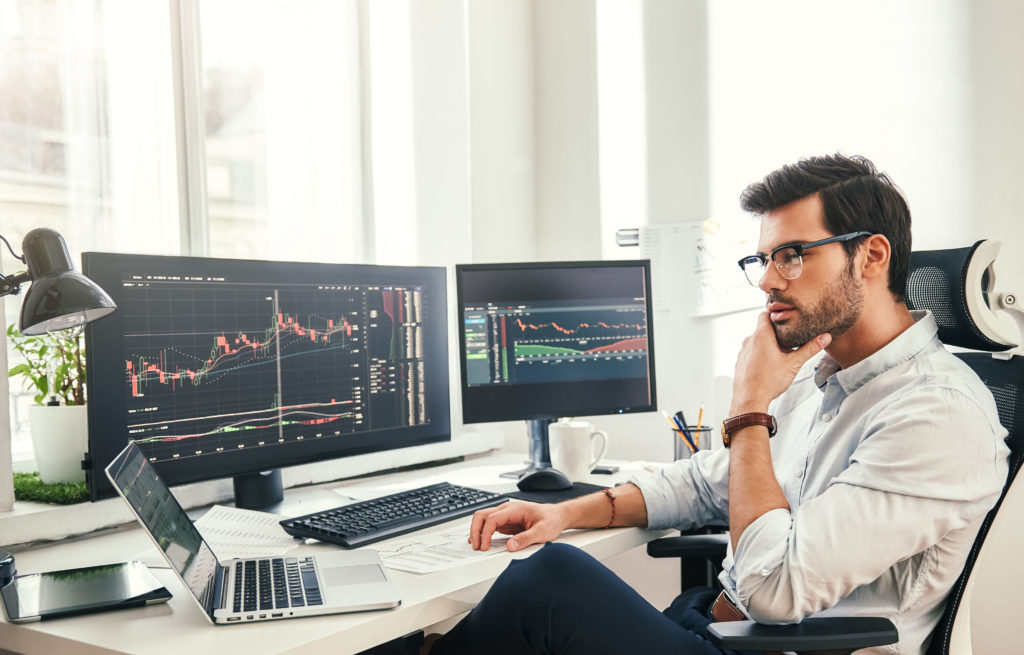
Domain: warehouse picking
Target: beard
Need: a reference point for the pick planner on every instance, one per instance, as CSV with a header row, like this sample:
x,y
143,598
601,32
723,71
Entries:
x,y
837,310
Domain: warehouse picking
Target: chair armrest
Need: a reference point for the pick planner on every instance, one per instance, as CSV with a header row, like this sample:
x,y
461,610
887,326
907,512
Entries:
x,y
705,546
843,633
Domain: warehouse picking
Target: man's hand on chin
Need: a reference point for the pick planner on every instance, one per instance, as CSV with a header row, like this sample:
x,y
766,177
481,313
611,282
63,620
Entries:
x,y
764,370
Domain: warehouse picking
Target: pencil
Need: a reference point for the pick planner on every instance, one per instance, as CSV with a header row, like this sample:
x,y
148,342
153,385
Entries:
x,y
700,415
686,434
682,435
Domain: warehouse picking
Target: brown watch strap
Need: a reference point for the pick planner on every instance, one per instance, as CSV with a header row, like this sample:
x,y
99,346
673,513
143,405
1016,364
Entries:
x,y
735,423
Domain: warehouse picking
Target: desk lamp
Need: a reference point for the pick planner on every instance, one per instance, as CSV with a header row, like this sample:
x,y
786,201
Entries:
x,y
59,298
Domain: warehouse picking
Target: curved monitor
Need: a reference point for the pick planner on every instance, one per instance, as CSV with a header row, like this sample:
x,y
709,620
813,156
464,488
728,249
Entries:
x,y
544,340
225,367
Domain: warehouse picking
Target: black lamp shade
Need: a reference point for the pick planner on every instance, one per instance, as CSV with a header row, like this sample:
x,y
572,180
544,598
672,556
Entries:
x,y
60,297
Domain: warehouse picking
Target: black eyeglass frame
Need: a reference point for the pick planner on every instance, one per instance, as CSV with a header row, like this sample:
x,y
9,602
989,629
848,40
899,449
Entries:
x,y
799,248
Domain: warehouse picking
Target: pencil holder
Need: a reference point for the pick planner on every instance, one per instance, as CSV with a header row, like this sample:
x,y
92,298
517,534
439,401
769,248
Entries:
x,y
702,436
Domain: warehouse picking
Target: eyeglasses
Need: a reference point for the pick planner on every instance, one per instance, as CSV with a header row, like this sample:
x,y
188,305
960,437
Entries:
x,y
788,259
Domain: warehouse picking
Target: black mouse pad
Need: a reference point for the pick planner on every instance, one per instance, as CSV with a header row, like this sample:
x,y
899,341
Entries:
x,y
575,491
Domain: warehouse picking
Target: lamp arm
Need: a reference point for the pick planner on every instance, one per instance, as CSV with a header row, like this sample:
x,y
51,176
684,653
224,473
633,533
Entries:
x,y
12,283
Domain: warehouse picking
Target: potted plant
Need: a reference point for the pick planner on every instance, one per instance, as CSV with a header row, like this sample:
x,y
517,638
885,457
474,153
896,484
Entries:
x,y
54,366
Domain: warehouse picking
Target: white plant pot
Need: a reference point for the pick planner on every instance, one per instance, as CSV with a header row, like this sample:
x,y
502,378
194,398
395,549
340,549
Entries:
x,y
60,437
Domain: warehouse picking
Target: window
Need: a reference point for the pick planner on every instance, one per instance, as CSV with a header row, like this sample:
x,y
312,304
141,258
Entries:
x,y
282,129
86,136
89,134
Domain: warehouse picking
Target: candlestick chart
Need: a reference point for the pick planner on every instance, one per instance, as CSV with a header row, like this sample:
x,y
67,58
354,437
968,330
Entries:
x,y
225,366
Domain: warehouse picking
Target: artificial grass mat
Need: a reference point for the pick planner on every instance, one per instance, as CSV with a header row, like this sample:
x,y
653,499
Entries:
x,y
28,486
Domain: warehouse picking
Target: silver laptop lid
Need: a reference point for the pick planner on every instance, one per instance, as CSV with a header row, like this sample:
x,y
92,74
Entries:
x,y
163,517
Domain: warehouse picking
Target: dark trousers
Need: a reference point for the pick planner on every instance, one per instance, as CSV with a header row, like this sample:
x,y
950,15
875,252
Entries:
x,y
562,601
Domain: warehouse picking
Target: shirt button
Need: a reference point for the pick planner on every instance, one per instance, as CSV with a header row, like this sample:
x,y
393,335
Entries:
x,y
799,473
826,417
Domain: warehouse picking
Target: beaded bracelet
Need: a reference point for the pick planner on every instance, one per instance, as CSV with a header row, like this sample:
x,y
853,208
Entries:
x,y
611,499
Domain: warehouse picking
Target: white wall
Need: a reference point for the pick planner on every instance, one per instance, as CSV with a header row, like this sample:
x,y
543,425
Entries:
x,y
996,134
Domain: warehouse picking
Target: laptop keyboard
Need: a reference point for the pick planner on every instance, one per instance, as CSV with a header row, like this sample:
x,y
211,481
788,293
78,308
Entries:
x,y
275,583
368,521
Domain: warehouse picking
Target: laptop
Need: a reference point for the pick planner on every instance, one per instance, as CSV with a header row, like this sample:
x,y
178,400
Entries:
x,y
256,589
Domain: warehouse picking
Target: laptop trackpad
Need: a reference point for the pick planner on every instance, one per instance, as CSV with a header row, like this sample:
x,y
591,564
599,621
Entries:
x,y
349,575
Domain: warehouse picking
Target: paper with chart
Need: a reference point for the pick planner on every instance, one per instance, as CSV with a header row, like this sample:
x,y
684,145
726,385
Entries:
x,y
426,552
233,533
693,266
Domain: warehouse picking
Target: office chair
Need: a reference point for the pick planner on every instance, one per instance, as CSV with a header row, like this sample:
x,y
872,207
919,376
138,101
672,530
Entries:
x,y
957,285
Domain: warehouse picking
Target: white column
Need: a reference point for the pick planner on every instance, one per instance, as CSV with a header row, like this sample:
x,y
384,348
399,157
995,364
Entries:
x,y
391,133
440,100
567,172
501,124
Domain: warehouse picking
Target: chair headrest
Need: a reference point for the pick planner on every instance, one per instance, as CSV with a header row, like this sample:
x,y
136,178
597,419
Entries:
x,y
956,285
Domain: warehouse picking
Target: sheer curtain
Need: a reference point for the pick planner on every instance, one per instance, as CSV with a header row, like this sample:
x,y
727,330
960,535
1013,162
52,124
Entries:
x,y
282,129
86,136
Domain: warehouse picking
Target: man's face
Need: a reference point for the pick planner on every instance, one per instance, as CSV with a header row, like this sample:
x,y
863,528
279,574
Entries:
x,y
827,297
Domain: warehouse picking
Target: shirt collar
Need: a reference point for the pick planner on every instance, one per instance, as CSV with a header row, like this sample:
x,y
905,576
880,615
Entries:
x,y
903,348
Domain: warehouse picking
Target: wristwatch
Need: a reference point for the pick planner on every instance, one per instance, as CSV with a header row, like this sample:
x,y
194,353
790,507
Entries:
x,y
735,423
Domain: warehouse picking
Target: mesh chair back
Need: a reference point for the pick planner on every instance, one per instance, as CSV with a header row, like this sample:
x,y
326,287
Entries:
x,y
937,280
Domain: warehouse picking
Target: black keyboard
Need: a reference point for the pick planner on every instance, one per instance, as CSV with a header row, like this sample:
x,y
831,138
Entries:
x,y
368,521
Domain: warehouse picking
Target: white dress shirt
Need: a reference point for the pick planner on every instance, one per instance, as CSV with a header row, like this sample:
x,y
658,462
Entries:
x,y
889,468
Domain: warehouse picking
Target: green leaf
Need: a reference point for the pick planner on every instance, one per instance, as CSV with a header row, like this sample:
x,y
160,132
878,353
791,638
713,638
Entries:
x,y
57,355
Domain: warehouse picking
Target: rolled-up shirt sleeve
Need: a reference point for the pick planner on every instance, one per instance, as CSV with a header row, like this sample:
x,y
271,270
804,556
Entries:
x,y
688,493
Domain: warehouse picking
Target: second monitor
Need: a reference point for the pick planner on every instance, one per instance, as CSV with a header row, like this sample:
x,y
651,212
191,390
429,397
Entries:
x,y
545,340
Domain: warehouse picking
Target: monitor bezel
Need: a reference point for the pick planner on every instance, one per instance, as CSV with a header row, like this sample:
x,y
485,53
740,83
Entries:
x,y
551,413
107,412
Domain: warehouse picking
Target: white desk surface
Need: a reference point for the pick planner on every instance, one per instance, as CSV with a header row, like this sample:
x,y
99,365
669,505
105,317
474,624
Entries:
x,y
179,626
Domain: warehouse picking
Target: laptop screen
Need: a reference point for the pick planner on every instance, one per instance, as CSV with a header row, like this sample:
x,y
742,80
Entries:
x,y
165,520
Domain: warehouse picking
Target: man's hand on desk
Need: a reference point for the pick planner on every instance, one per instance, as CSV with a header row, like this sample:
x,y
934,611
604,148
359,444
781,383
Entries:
x,y
531,523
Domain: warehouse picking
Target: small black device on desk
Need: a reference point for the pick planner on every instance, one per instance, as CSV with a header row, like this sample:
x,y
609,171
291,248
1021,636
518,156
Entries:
x,y
544,480
7,570
368,521
51,595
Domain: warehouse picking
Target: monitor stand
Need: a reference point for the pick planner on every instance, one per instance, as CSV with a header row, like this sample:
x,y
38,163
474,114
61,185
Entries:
x,y
264,492
540,453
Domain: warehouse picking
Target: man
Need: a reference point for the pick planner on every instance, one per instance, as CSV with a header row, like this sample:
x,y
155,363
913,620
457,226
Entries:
x,y
887,456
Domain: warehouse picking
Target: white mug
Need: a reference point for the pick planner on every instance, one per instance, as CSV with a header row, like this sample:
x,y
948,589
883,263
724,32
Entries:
x,y
572,448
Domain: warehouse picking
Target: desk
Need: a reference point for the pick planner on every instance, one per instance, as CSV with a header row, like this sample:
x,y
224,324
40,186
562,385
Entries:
x,y
180,627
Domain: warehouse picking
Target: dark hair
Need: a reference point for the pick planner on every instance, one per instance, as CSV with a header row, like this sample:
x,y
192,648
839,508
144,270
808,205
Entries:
x,y
855,196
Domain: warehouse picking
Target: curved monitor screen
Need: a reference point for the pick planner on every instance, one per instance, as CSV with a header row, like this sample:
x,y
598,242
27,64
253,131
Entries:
x,y
220,367
554,339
